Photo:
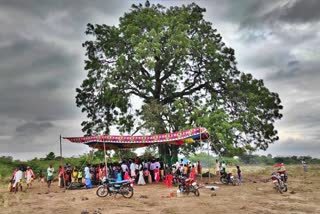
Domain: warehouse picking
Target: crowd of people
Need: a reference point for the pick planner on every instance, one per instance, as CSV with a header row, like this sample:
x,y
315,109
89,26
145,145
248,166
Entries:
x,y
140,171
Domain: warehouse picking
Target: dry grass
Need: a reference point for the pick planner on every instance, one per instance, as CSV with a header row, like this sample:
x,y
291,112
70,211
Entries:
x,y
254,196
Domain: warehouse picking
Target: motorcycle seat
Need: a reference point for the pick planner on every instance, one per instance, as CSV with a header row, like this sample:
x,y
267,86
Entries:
x,y
120,182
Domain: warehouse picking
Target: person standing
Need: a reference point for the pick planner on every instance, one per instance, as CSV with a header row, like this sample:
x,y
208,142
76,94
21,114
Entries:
x,y
239,175
223,166
50,171
87,176
304,165
199,168
29,175
61,177
17,180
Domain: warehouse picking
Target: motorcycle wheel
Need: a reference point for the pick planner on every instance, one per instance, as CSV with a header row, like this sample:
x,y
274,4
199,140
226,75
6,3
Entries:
x,y
224,181
196,192
279,189
127,191
102,191
285,188
235,182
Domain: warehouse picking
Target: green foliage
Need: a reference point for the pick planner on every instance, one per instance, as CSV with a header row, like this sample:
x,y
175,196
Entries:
x,y
120,155
50,156
175,62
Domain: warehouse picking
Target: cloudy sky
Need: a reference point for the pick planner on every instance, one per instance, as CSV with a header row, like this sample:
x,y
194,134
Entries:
x,y
41,64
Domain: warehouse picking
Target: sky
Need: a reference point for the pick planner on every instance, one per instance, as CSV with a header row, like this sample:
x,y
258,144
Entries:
x,y
42,62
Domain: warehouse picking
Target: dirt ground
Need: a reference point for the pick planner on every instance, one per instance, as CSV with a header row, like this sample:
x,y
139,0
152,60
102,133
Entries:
x,y
255,195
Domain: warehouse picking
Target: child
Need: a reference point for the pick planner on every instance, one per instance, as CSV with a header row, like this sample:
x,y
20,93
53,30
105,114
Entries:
x,y
239,175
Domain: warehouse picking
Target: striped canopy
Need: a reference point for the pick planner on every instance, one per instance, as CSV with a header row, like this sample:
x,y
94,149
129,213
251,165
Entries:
x,y
123,142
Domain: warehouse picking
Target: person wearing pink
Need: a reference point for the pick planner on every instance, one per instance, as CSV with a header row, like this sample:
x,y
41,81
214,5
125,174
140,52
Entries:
x,y
126,176
157,174
29,175
193,173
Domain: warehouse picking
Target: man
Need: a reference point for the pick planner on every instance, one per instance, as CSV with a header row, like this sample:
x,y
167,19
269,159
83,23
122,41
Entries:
x,y
87,176
29,175
50,171
124,168
223,166
17,180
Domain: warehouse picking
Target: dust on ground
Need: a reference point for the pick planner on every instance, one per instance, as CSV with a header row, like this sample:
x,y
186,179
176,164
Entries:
x,y
255,195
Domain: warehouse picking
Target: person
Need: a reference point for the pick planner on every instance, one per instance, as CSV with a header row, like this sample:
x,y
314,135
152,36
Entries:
x,y
199,168
217,167
192,174
141,180
156,174
304,165
29,175
132,170
146,175
223,166
50,171
119,176
87,176
61,177
124,168
40,176
126,175
74,177
17,180
152,168
80,175
239,175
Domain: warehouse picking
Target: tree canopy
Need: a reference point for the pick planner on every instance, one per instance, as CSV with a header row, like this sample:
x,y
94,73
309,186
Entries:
x,y
167,69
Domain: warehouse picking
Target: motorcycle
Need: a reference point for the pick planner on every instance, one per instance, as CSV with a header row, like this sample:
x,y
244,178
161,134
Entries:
x,y
228,178
125,188
188,185
279,183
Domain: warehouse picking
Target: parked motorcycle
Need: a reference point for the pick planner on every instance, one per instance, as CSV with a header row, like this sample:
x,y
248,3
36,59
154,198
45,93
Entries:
x,y
279,183
228,178
188,185
125,188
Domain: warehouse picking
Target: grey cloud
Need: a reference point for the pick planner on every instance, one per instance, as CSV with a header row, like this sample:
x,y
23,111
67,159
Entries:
x,y
32,128
292,146
300,11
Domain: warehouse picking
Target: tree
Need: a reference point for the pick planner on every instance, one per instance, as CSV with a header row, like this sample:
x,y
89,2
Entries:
x,y
50,156
124,154
175,63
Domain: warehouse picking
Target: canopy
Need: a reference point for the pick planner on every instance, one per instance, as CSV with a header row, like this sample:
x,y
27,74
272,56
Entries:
x,y
119,142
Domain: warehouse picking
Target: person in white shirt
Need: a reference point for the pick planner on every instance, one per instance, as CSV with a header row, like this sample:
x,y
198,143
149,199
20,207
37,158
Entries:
x,y
17,179
50,171
124,168
132,170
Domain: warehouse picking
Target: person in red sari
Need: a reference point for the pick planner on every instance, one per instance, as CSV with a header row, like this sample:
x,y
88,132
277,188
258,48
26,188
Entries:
x,y
126,176
157,174
193,173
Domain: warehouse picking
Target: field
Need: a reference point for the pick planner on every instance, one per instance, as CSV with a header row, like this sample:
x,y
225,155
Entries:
x,y
255,195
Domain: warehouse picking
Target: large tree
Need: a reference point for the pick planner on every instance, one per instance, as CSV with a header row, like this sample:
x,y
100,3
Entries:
x,y
165,69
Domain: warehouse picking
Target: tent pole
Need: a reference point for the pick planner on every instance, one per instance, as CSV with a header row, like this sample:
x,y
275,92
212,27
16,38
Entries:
x,y
209,161
60,151
105,158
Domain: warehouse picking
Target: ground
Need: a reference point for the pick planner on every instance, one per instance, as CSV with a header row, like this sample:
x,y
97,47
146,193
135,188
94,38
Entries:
x,y
256,195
